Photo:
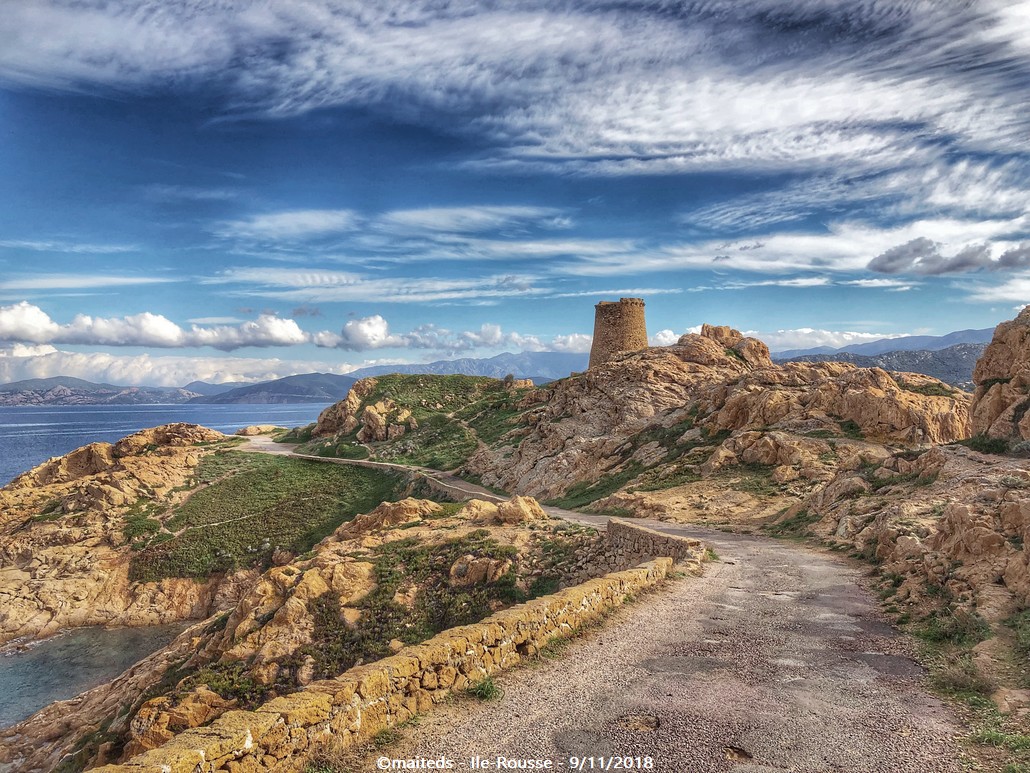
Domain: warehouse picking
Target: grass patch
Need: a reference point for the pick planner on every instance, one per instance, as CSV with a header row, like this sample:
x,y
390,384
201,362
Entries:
x,y
955,627
986,445
989,382
795,526
485,689
254,503
929,390
584,493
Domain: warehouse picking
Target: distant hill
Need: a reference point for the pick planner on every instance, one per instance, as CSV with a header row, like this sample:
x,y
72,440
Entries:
x,y
539,366
207,389
903,344
67,390
304,388
952,365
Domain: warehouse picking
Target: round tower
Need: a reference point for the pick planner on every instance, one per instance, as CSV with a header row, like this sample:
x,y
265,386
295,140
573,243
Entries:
x,y
618,327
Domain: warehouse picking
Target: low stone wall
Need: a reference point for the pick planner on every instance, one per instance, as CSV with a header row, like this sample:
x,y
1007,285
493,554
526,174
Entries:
x,y
359,703
627,544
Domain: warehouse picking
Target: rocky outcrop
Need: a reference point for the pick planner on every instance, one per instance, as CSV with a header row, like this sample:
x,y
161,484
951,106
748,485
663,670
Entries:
x,y
949,518
711,385
1002,378
377,422
902,407
63,555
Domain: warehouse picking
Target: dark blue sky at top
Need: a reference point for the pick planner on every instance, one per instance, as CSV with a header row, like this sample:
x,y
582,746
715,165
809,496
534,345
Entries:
x,y
266,188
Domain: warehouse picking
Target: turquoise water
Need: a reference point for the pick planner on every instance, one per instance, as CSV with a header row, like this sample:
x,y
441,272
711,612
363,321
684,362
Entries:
x,y
62,667
32,434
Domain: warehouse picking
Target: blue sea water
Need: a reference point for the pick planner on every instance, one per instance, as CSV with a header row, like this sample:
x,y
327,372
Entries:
x,y
32,434
63,666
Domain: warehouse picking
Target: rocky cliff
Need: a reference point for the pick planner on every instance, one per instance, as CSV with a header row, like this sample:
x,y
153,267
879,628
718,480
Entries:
x,y
63,545
1002,378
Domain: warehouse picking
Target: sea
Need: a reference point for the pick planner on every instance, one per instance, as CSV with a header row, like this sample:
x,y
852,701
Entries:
x,y
32,434
63,666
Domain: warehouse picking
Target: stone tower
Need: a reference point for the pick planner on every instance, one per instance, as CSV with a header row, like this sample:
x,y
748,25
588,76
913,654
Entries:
x,y
618,327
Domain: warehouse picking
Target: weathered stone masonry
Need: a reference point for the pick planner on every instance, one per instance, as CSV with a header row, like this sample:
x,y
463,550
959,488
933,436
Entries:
x,y
364,700
618,327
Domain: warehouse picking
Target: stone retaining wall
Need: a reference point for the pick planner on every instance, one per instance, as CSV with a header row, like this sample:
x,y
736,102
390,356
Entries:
x,y
359,703
627,544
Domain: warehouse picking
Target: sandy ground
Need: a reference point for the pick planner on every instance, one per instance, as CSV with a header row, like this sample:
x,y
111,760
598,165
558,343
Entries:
x,y
776,660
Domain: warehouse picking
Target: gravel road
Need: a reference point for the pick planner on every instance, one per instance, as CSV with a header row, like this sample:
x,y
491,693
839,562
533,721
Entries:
x,y
775,660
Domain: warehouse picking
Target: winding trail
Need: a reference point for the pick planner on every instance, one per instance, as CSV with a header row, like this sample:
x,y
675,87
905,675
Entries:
x,y
777,659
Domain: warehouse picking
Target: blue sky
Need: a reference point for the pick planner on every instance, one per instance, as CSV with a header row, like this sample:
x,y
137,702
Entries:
x,y
243,190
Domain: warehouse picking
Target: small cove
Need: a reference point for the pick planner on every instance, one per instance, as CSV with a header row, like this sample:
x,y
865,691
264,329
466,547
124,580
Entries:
x,y
65,665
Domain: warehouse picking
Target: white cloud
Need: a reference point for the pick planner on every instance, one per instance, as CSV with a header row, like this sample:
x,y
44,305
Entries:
x,y
291,225
574,342
809,338
24,322
1016,289
664,338
17,363
327,286
27,323
607,89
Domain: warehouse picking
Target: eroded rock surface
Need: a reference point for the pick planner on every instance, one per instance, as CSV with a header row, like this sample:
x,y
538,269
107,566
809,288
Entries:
x,y
1002,379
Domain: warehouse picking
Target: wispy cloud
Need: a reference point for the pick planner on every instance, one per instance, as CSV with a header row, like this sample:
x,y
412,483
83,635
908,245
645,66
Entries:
x,y
79,282
75,248
470,219
291,225
325,286
607,90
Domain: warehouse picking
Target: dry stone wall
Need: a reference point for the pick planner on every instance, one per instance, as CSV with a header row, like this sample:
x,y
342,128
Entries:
x,y
363,701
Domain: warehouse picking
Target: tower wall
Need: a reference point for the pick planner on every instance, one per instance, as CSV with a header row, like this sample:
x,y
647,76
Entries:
x,y
618,327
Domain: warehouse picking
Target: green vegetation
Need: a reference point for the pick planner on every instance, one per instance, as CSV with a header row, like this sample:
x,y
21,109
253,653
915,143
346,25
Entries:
x,y
986,445
252,504
953,626
795,526
485,689
850,429
230,681
1020,625
296,435
988,383
930,390
453,415
437,606
584,493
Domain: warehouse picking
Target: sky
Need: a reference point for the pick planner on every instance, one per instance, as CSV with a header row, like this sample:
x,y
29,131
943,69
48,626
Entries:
x,y
247,189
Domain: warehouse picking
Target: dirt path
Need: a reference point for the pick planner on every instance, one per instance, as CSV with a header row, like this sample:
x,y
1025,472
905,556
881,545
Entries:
x,y
777,653
776,660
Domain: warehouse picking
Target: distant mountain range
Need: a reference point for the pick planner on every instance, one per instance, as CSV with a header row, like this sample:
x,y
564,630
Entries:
x,y
206,389
903,344
305,388
949,357
953,365
539,366
65,390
